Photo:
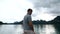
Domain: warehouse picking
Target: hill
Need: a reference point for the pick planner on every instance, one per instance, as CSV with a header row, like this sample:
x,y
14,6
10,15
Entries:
x,y
54,21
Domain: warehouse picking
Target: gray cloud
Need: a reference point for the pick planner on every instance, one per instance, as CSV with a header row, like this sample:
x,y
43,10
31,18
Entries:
x,y
52,5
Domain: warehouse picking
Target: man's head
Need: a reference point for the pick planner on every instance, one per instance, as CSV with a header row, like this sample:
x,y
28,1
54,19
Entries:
x,y
29,11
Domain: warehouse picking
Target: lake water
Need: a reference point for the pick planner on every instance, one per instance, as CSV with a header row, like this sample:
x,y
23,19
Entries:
x,y
39,29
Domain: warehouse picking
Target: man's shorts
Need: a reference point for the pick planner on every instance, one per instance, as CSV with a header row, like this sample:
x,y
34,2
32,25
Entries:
x,y
28,32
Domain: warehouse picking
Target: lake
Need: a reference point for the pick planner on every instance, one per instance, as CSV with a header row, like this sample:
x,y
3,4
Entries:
x,y
39,29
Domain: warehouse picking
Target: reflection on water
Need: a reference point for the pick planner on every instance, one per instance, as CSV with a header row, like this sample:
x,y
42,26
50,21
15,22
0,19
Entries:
x,y
45,29
18,29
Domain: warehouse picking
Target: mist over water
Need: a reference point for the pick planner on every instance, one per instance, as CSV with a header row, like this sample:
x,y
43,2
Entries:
x,y
39,29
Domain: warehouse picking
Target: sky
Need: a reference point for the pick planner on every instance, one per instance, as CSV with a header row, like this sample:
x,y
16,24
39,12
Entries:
x,y
15,10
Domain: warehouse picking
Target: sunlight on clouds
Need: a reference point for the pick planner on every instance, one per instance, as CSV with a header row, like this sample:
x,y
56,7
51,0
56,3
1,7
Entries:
x,y
42,15
25,4
13,10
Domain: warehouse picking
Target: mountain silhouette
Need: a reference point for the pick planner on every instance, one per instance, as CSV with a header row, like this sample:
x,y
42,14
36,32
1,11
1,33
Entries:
x,y
1,22
55,20
57,23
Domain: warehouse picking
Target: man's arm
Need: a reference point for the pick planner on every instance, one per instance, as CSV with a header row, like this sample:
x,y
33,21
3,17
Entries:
x,y
31,25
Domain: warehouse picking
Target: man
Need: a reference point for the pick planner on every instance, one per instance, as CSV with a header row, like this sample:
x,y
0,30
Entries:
x,y
27,23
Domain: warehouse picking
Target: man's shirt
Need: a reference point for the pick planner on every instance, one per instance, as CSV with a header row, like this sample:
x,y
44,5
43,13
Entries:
x,y
26,20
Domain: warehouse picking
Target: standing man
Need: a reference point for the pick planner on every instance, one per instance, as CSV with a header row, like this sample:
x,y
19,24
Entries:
x,y
27,23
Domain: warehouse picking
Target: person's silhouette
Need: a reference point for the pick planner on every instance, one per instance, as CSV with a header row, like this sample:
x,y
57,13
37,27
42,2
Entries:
x,y
27,23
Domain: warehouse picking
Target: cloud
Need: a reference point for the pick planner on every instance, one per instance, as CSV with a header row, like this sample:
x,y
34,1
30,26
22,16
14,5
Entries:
x,y
13,10
53,6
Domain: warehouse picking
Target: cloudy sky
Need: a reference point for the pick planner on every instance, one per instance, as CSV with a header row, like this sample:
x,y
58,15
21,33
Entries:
x,y
14,10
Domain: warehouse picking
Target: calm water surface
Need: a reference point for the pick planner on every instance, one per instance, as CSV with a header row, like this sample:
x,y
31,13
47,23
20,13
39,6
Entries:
x,y
18,29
